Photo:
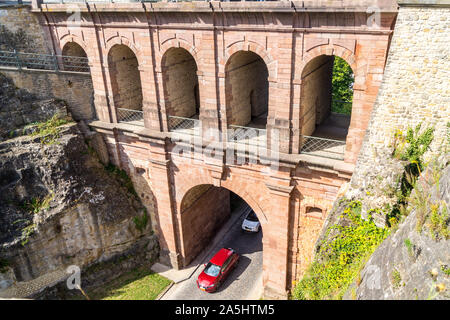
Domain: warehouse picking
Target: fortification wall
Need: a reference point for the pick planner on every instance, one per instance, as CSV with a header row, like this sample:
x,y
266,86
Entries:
x,y
73,87
19,17
21,31
415,87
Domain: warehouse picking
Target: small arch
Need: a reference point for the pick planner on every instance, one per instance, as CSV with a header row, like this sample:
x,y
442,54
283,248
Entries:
x,y
74,57
181,85
177,43
255,47
125,83
121,40
314,212
246,90
329,50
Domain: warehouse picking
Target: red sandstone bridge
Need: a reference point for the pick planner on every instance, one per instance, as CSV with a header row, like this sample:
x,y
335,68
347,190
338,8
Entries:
x,y
251,79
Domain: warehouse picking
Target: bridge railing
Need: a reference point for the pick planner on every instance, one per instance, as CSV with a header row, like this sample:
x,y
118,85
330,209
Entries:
x,y
247,135
184,125
323,147
25,60
130,116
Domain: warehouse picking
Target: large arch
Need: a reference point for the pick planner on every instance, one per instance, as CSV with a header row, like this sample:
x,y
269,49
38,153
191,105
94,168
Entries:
x,y
125,83
203,210
246,90
180,84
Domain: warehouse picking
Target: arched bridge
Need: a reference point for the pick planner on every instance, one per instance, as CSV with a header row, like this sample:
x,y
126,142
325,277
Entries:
x,y
199,99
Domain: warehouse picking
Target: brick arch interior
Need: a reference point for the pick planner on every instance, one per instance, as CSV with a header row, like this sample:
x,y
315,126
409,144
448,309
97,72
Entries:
x,y
180,83
246,89
125,78
204,209
316,98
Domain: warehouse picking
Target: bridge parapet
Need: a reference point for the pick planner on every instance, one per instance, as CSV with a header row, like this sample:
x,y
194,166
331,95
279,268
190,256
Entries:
x,y
223,6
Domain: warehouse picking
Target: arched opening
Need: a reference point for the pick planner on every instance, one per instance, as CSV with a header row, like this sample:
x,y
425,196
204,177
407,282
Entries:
x,y
212,218
325,106
74,58
181,90
247,90
247,95
126,84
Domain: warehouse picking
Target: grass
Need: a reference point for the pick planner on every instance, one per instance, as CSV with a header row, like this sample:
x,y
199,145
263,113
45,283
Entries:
x,y
35,205
141,221
410,247
49,131
139,284
396,279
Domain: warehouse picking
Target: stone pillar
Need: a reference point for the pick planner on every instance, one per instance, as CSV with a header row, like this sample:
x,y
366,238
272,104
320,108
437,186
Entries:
x,y
275,242
166,215
149,101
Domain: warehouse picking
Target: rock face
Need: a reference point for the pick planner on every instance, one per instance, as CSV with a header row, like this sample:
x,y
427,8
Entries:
x,y
89,215
59,206
411,264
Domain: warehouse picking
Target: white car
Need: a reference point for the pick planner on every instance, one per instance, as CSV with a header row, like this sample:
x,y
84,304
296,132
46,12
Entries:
x,y
251,222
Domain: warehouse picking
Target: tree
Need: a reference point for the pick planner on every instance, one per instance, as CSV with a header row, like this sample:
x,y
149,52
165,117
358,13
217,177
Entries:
x,y
342,87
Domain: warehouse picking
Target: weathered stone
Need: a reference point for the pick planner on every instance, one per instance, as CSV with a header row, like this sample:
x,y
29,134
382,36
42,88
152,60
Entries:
x,y
395,271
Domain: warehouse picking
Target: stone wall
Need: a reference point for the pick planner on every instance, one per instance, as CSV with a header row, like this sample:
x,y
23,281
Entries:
x,y
415,86
90,215
73,87
16,18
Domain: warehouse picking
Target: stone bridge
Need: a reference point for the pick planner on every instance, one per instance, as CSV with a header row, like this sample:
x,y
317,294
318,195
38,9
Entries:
x,y
197,99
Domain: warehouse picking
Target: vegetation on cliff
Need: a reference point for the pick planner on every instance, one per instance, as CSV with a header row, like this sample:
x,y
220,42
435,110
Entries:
x,y
350,240
341,256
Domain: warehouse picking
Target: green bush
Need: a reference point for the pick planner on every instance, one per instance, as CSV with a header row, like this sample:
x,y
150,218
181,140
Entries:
x,y
341,257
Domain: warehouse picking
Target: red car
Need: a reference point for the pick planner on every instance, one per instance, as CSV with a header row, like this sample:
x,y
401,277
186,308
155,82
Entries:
x,y
217,269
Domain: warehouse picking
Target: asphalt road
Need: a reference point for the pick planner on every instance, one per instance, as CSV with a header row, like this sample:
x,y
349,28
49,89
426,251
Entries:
x,y
243,282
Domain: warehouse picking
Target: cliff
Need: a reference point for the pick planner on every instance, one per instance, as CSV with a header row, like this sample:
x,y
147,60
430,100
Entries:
x,y
59,206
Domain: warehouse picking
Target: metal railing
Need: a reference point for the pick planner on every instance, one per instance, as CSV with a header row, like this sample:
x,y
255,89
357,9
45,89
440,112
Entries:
x,y
183,125
322,147
130,116
247,135
38,61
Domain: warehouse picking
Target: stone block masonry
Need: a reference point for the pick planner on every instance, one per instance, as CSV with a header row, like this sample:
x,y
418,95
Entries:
x,y
73,87
16,17
415,88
